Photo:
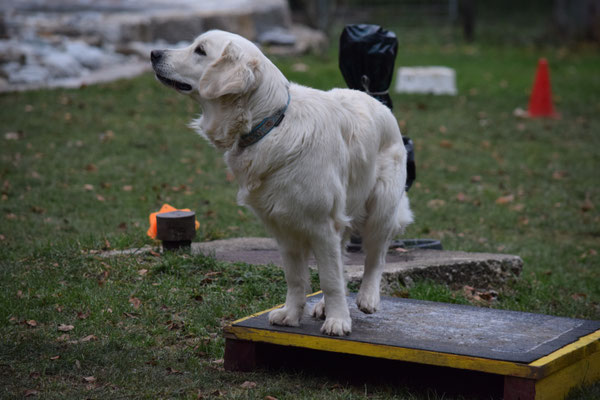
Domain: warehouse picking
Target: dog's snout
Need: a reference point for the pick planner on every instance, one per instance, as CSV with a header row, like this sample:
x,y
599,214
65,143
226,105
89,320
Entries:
x,y
156,55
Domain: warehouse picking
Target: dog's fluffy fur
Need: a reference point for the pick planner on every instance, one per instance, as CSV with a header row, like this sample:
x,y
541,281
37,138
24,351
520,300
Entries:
x,y
336,164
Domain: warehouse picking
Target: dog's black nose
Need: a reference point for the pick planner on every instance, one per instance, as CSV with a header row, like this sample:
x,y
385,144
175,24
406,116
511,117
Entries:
x,y
156,55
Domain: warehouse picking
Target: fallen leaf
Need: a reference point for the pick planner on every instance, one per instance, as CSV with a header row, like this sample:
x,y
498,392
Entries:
x,y
505,199
65,328
100,198
31,392
63,338
446,144
173,371
558,175
54,358
88,187
20,294
587,205
173,326
38,209
12,136
135,302
518,207
88,338
142,272
89,379
476,179
91,167
82,315
579,296
106,136
31,322
127,188
248,385
436,203
461,197
271,398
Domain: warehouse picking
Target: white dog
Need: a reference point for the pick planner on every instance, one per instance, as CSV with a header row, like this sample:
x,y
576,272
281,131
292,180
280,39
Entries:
x,y
312,165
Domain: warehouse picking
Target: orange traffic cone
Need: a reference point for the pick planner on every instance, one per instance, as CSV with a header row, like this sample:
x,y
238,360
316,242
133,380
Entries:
x,y
540,102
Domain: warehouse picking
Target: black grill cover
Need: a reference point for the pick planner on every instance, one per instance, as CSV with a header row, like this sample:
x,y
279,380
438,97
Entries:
x,y
367,56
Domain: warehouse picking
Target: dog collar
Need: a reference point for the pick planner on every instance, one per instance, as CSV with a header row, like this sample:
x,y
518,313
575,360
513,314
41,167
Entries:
x,y
264,127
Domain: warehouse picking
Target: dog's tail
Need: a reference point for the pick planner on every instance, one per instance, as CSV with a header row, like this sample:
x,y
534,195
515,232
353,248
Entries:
x,y
405,215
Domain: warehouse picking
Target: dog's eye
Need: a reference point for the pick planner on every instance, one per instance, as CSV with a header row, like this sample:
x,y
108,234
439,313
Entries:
x,y
200,50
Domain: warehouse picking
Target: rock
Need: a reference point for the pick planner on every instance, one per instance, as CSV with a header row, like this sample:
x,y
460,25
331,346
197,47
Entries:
x,y
61,65
12,51
88,56
277,36
25,74
111,33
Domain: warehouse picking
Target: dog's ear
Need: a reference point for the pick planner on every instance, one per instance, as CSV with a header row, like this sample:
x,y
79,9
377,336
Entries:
x,y
232,73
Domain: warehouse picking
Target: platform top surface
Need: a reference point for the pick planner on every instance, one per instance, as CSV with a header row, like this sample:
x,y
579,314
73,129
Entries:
x,y
448,328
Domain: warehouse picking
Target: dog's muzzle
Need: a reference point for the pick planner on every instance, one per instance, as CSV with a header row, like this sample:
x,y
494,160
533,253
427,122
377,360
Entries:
x,y
156,57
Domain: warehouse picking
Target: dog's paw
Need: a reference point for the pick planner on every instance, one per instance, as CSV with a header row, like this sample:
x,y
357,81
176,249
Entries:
x,y
284,316
319,310
337,326
367,302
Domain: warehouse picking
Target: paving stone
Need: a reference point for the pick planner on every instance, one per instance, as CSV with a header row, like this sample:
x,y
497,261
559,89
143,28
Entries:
x,y
455,268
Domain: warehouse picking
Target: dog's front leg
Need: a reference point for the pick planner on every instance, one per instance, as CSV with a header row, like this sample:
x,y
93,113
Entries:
x,y
297,278
328,253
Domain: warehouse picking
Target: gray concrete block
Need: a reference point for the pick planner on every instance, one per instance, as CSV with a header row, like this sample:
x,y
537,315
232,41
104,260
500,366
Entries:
x,y
455,268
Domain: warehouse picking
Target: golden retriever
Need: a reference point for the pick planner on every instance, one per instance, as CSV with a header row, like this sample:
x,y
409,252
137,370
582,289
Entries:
x,y
312,165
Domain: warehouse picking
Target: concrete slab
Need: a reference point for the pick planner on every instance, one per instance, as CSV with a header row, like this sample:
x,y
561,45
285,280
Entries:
x,y
455,268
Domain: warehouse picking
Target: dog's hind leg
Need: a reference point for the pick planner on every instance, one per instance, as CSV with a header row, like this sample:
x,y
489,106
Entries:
x,y
295,261
375,243
388,213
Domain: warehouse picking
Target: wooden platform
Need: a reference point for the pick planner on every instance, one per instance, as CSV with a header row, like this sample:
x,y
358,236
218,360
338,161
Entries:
x,y
532,356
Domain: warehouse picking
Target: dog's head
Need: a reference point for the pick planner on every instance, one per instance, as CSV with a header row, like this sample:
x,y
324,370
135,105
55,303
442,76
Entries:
x,y
217,64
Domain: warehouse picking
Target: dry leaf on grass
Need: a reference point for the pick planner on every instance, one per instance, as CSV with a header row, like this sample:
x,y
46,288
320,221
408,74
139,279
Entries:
x,y
248,385
505,199
65,328
135,302
587,205
446,144
173,371
436,203
461,197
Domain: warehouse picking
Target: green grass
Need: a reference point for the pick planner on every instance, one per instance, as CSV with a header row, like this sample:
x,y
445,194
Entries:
x,y
89,166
